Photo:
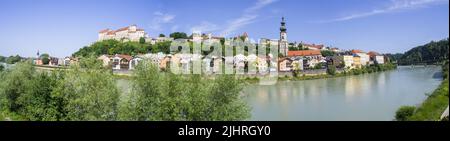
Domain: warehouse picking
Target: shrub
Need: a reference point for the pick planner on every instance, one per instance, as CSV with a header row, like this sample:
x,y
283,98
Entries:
x,y
404,113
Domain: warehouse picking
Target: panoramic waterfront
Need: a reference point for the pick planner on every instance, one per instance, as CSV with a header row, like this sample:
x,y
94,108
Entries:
x,y
373,96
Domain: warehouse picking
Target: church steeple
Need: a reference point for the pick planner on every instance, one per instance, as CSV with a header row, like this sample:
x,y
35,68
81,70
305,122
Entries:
x,y
283,43
283,25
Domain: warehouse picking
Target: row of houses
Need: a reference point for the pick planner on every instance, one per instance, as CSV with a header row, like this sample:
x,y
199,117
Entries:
x,y
54,61
308,59
210,64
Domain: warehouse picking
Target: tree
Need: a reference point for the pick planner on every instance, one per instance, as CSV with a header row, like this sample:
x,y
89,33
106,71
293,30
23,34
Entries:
x,y
167,96
13,59
87,92
83,92
37,101
331,69
45,58
142,40
319,65
2,58
404,113
1,67
14,84
162,35
429,53
178,35
326,53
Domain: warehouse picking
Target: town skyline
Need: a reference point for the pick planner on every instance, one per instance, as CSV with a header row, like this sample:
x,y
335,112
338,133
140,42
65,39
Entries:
x,y
391,26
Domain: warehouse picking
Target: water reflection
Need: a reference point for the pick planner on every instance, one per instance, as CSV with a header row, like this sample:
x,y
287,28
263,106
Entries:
x,y
364,97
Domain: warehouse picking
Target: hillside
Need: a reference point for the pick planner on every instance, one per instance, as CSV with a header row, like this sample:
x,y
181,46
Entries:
x,y
429,53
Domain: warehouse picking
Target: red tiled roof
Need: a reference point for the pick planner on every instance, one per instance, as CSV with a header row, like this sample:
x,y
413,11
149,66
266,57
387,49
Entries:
x,y
111,33
304,53
122,29
104,31
128,57
373,53
357,51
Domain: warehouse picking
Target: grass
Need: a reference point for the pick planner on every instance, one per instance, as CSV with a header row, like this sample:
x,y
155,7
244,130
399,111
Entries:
x,y
6,115
434,105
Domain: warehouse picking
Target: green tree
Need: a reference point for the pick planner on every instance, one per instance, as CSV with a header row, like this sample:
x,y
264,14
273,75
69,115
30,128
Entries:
x,y
2,58
13,59
326,53
404,113
1,67
37,101
45,58
319,65
178,35
142,40
167,96
331,69
162,35
87,92
14,84
429,53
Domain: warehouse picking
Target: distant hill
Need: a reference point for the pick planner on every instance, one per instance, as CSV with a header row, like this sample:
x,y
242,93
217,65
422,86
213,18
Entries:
x,y
432,52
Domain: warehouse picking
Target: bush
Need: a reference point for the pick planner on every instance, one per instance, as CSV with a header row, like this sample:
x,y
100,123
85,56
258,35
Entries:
x,y
15,83
167,96
404,113
74,94
331,69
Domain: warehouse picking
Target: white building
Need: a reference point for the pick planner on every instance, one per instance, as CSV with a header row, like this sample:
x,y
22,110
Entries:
x,y
379,59
130,33
106,59
134,62
348,61
365,58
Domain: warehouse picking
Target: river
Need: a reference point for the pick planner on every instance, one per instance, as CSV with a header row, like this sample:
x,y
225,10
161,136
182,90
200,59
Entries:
x,y
365,97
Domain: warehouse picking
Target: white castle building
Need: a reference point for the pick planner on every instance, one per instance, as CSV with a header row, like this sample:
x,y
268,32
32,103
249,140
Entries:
x,y
130,33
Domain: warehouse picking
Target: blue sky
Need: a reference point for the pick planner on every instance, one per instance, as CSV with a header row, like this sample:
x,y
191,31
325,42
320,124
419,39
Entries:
x,y
61,27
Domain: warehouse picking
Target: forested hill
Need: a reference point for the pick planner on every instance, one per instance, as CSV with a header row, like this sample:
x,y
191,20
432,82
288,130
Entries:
x,y
432,52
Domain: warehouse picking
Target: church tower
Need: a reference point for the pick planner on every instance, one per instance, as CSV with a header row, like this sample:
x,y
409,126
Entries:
x,y
283,44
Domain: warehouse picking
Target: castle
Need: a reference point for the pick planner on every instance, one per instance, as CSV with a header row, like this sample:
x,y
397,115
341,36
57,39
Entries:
x,y
131,33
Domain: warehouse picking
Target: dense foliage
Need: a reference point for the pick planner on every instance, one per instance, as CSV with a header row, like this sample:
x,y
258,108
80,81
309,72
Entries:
x,y
87,91
112,47
45,58
166,96
75,94
429,53
11,59
178,35
404,113
326,53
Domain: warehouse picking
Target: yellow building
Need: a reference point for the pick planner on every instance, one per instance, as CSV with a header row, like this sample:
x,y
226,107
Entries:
x,y
356,62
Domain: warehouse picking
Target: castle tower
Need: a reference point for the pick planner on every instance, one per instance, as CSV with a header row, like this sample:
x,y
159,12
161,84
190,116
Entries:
x,y
283,45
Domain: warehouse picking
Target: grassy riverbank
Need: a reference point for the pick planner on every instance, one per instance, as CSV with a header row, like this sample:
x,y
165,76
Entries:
x,y
432,108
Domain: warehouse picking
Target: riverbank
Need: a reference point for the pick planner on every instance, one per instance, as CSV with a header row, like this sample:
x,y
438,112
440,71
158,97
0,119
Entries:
x,y
300,77
433,107
291,77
